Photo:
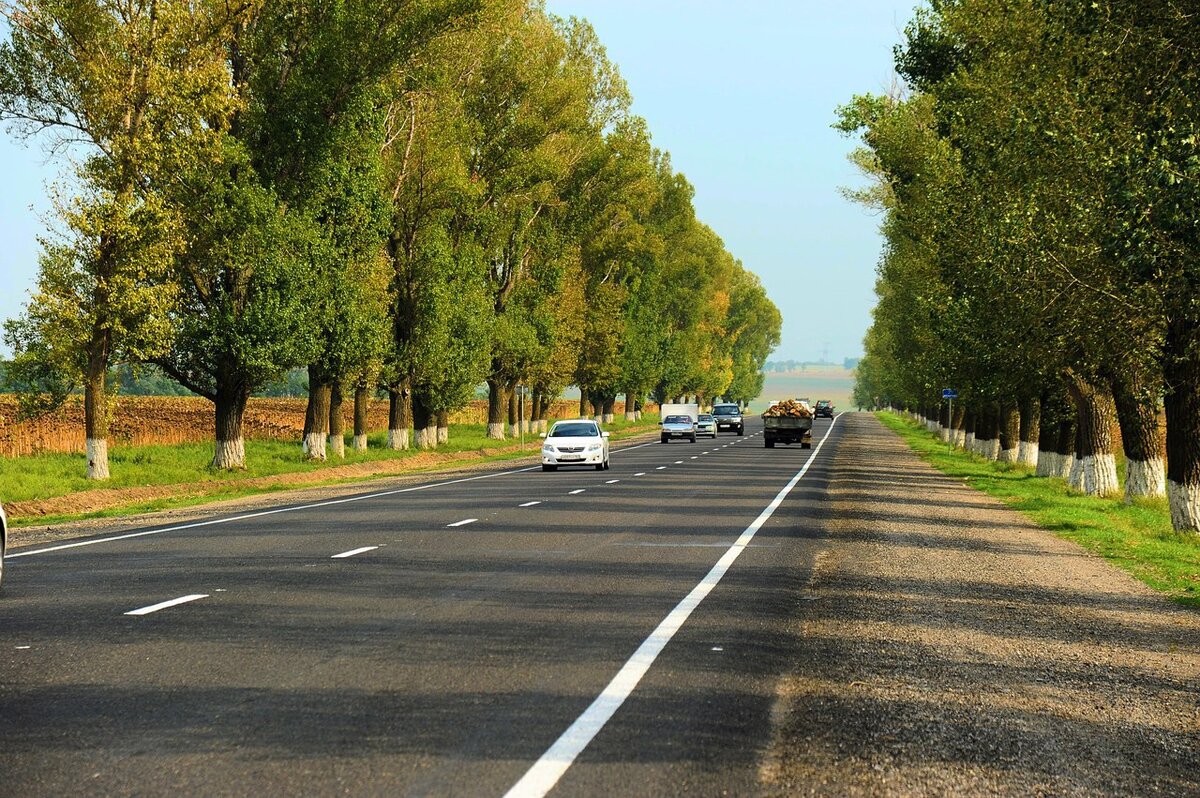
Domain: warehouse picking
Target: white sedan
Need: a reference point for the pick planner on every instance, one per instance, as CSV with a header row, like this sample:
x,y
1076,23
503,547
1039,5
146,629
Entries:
x,y
575,442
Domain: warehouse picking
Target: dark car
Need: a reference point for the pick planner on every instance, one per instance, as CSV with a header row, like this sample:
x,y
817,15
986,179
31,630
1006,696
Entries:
x,y
728,416
823,408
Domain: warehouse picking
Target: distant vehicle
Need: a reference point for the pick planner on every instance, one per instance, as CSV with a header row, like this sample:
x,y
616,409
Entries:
x,y
729,416
706,425
576,442
788,422
823,408
678,426
679,409
3,541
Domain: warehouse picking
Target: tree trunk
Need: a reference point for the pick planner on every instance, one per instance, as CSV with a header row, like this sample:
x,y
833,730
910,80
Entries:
x,y
230,407
969,421
1181,373
630,407
337,423
1067,433
443,427
1010,432
1048,454
609,405
399,415
958,432
316,415
1094,471
1137,415
424,422
496,408
1030,432
362,400
583,403
95,418
514,419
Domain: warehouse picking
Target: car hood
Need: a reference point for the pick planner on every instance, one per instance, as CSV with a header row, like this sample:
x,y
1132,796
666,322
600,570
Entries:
x,y
573,441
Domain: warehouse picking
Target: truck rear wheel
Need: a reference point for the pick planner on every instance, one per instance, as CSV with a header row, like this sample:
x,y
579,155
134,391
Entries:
x,y
769,444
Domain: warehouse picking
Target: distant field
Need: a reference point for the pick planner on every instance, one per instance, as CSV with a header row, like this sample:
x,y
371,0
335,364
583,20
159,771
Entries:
x,y
834,384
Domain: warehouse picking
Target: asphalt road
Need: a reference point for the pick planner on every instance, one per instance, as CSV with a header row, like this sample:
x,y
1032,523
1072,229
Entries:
x,y
625,634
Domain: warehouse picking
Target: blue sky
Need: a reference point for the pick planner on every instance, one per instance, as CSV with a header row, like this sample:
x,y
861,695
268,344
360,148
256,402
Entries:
x,y
742,94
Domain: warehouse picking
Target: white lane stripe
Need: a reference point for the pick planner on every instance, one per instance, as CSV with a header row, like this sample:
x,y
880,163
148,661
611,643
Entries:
x,y
463,522
164,604
640,474
678,462
352,552
661,468
546,772
576,492
612,482
263,513
529,504
695,457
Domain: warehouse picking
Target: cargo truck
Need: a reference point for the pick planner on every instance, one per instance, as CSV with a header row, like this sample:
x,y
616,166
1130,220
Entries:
x,y
788,422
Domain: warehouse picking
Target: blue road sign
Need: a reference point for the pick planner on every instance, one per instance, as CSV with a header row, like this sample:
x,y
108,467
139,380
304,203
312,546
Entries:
x,y
949,393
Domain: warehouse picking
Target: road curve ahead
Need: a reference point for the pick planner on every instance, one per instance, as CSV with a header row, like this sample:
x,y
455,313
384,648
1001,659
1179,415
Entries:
x,y
529,633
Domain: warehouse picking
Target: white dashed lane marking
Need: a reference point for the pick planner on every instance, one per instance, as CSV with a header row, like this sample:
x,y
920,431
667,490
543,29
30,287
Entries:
x,y
463,522
575,492
164,604
528,504
352,552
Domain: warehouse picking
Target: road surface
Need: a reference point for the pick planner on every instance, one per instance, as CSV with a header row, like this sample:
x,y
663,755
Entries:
x,y
577,632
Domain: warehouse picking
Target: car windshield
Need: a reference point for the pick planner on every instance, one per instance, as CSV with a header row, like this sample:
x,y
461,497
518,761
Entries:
x,y
823,403
678,420
580,430
705,417
725,411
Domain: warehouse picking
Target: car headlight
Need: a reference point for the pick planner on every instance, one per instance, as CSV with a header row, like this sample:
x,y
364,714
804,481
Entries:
x,y
595,447
548,448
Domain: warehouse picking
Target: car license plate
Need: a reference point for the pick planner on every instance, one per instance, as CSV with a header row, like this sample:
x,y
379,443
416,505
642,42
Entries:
x,y
566,457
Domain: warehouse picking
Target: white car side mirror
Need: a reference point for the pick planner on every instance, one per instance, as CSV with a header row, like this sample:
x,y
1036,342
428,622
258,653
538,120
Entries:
x,y
603,434
541,435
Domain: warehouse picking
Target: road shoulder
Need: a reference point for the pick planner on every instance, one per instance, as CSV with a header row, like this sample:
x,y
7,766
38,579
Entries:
x,y
949,646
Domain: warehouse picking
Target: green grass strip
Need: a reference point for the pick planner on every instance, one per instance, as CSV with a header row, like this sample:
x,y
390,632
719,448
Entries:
x,y
1136,537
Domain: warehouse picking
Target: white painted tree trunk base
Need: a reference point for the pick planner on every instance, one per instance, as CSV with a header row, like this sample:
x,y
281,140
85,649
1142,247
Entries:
x,y
398,439
230,455
969,441
637,415
1028,454
360,443
1008,455
630,415
1047,464
443,435
97,458
336,446
1066,463
946,433
1145,478
496,431
314,446
1185,507
1095,475
609,418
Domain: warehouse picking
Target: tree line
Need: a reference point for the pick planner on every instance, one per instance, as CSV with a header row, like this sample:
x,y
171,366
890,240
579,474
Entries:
x,y
413,198
1039,174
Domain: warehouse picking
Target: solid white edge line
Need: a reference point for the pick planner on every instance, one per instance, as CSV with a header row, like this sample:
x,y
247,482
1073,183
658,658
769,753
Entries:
x,y
164,604
248,516
352,552
545,773
463,522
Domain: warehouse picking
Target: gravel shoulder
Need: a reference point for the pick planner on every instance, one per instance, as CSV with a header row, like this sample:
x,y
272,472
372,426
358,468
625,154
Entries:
x,y
947,646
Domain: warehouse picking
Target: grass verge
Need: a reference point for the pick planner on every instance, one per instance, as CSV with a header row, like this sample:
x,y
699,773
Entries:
x,y
1136,537
150,478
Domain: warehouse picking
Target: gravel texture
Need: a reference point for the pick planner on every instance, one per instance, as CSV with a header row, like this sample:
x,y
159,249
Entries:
x,y
950,647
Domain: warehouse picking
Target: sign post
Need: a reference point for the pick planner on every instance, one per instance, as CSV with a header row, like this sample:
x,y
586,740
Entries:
x,y
950,394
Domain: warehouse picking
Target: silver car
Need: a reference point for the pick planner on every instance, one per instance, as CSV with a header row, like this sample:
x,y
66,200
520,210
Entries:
x,y
706,425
